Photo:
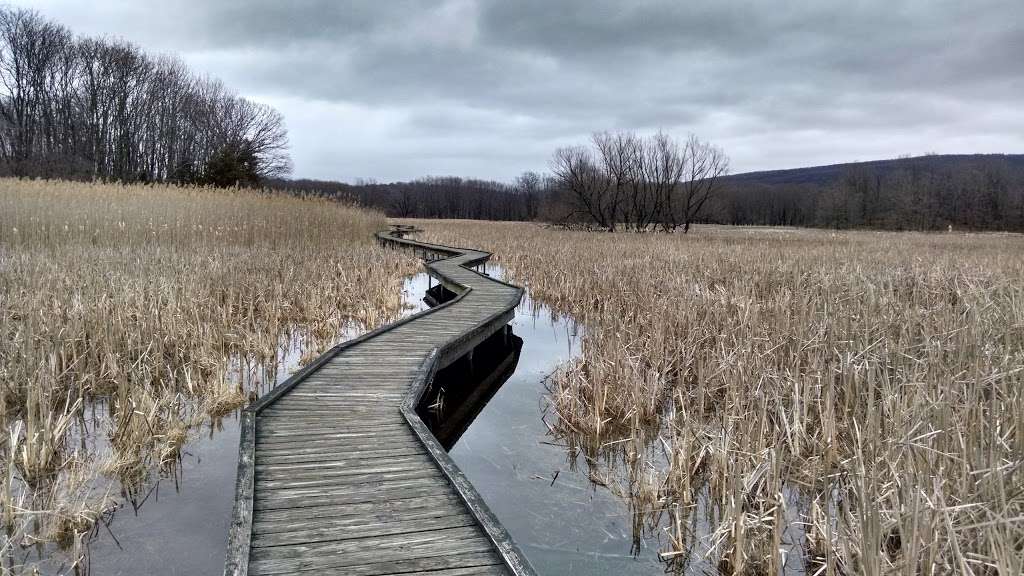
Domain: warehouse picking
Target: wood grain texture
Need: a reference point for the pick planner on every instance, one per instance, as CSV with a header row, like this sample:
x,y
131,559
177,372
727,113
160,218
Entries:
x,y
337,474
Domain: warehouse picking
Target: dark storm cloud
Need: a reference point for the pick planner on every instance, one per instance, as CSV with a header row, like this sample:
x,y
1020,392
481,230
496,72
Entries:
x,y
488,88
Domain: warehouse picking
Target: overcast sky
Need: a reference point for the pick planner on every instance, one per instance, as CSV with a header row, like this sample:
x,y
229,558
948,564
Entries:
x,y
393,90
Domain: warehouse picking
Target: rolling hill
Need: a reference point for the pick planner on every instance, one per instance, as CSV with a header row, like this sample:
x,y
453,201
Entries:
x,y
821,175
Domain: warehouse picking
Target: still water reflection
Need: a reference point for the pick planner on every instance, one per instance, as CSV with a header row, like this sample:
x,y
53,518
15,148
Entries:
x,y
562,521
180,525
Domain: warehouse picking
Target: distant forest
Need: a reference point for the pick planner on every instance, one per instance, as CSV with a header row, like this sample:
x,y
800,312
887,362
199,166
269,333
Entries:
x,y
933,192
431,197
89,108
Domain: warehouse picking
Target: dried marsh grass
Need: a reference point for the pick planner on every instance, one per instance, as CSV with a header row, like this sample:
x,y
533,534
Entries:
x,y
838,403
153,306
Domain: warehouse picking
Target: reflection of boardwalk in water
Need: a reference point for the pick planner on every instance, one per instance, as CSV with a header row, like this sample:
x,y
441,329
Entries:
x,y
459,392
338,473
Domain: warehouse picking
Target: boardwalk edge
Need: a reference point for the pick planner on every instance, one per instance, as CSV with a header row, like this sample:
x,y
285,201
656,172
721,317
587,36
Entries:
x,y
240,532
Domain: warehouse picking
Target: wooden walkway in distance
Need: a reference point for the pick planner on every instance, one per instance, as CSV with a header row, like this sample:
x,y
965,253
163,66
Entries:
x,y
338,475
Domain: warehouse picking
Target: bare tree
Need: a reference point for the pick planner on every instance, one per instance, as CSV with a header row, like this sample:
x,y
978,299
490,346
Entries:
x,y
662,166
584,185
29,46
529,185
619,157
640,182
403,202
704,165
260,130
88,108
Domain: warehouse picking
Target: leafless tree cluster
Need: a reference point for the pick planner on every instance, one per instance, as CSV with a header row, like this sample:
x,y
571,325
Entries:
x,y
89,108
625,180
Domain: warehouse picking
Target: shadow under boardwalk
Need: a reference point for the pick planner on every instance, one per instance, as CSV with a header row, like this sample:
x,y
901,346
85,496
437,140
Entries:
x,y
458,393
338,473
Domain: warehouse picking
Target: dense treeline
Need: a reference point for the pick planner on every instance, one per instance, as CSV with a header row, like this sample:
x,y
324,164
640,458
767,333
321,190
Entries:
x,y
983,192
438,197
87,108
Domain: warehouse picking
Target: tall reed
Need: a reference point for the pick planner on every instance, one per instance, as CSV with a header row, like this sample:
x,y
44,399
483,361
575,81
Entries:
x,y
129,315
845,403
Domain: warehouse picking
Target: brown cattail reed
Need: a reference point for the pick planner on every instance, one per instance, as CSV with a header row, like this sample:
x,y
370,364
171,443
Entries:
x,y
842,402
130,315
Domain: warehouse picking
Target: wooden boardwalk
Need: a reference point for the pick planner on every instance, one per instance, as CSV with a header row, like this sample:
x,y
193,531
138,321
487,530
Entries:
x,y
338,475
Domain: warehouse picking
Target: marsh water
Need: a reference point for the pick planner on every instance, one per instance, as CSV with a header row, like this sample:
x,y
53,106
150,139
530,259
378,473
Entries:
x,y
563,522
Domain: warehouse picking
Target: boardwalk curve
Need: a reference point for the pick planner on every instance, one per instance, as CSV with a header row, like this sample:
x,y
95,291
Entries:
x,y
338,474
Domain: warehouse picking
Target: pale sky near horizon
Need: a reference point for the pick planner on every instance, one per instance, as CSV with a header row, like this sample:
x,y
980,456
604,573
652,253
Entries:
x,y
393,90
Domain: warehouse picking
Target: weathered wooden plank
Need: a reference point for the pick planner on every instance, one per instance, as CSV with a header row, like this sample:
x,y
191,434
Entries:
x,y
268,519
294,524
472,571
378,549
332,421
362,442
353,393
376,491
380,386
360,391
324,436
373,364
342,494
336,408
279,475
367,370
350,482
239,534
423,565
323,444
406,545
346,461
349,528
311,392
341,467
339,480
330,416
341,382
284,429
297,455
374,399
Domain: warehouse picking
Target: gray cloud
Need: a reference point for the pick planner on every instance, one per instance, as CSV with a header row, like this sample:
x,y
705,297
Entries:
x,y
488,88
